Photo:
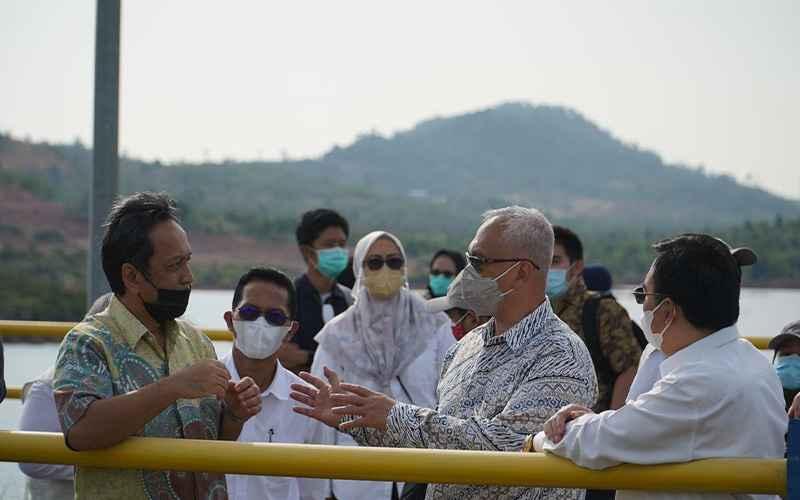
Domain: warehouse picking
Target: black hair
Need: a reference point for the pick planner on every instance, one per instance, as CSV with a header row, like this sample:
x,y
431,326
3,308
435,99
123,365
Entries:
x,y
314,222
127,237
458,259
699,274
570,241
268,275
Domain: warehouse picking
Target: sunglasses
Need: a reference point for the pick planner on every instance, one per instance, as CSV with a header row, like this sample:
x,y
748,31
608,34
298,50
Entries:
x,y
640,294
376,262
446,274
274,317
478,262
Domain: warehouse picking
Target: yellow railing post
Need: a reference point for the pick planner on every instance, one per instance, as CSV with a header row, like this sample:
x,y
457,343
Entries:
x,y
764,476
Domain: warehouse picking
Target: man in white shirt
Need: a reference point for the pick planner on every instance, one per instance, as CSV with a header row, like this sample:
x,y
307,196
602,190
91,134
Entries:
x,y
717,396
261,320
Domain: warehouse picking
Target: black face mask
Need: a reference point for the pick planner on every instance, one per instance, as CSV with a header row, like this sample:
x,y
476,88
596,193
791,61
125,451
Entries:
x,y
169,304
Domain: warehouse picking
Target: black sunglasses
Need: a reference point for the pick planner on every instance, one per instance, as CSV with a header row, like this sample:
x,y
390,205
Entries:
x,y
446,274
640,294
478,262
274,317
376,262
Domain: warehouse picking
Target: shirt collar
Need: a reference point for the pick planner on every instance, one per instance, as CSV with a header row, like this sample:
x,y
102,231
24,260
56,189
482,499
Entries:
x,y
697,350
279,387
521,334
131,329
573,296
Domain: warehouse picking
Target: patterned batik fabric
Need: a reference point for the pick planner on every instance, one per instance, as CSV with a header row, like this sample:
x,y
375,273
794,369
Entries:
x,y
493,391
112,353
618,344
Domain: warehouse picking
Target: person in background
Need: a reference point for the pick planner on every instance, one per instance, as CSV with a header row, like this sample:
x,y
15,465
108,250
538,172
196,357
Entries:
x,y
497,384
39,414
597,279
464,321
261,319
387,341
612,343
135,370
715,389
445,265
322,239
787,360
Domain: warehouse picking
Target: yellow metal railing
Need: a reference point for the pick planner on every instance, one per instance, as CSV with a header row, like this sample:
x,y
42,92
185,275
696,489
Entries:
x,y
57,329
426,466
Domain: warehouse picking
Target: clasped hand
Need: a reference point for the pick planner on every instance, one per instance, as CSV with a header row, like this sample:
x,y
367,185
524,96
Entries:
x,y
329,401
210,377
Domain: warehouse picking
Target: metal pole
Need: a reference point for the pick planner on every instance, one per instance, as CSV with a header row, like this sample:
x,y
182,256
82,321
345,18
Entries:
x,y
105,163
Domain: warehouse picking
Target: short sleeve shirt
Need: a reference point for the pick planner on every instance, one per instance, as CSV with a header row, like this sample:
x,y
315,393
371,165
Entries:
x,y
111,354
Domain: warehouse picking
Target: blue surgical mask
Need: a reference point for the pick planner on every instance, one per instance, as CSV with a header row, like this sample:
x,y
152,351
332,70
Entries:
x,y
788,369
332,261
556,283
439,284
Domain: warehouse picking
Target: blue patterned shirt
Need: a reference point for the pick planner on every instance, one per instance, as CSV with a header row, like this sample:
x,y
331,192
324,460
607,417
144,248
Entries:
x,y
493,391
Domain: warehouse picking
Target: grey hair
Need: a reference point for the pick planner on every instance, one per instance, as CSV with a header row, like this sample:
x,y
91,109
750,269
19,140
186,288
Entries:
x,y
526,230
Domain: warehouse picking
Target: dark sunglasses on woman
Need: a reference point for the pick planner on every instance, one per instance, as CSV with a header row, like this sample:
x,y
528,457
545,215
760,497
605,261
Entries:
x,y
376,262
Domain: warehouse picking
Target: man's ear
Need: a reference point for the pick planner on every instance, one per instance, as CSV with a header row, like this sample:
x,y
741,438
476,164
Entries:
x,y
131,278
292,331
228,317
577,269
309,255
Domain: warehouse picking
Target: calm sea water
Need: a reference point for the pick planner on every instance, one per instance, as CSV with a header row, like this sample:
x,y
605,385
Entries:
x,y
763,313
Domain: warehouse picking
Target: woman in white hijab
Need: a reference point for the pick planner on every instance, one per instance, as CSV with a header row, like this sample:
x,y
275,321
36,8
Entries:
x,y
387,341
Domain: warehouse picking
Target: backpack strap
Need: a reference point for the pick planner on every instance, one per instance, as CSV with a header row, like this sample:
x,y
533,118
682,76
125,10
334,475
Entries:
x,y
590,334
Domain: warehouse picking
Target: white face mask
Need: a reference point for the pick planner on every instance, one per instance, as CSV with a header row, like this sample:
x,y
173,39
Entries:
x,y
656,339
258,339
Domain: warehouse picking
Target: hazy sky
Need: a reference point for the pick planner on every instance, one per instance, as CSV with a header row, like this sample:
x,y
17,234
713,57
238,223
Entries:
x,y
700,82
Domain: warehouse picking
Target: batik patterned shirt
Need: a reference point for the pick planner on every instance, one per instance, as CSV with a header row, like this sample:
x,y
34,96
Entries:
x,y
494,390
113,353
615,337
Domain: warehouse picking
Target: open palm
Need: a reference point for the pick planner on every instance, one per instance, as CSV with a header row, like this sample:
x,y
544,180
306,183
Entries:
x,y
317,398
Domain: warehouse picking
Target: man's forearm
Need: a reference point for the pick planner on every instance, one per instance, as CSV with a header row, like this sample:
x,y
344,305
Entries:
x,y
622,385
110,421
231,426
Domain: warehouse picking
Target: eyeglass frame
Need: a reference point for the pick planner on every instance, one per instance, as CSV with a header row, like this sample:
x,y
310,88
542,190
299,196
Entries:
x,y
384,262
640,294
264,314
478,262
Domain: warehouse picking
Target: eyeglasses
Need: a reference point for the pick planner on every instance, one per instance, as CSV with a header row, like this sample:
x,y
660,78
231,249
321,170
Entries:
x,y
446,274
478,262
376,262
640,294
274,317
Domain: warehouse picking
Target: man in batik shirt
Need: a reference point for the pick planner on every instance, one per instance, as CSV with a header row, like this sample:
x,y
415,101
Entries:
x,y
134,370
501,379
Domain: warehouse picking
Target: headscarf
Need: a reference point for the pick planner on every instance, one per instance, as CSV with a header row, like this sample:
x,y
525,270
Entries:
x,y
377,339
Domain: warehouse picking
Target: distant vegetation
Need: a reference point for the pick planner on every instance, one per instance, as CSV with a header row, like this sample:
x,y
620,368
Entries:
x,y
428,185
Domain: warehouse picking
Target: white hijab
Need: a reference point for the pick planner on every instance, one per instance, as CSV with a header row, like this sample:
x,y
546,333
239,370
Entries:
x,y
376,340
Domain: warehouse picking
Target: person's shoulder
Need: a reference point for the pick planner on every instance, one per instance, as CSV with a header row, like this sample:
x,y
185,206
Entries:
x,y
89,330
609,305
559,348
196,337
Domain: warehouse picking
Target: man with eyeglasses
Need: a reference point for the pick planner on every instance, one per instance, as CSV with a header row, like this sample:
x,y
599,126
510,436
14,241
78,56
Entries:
x,y
500,382
261,320
717,395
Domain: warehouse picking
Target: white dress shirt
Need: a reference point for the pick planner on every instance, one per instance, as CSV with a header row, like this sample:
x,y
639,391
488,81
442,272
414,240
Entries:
x,y
416,384
648,373
277,423
717,398
44,481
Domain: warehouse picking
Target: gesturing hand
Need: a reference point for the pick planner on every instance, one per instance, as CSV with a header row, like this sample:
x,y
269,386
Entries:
x,y
204,378
243,398
371,407
318,397
556,426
